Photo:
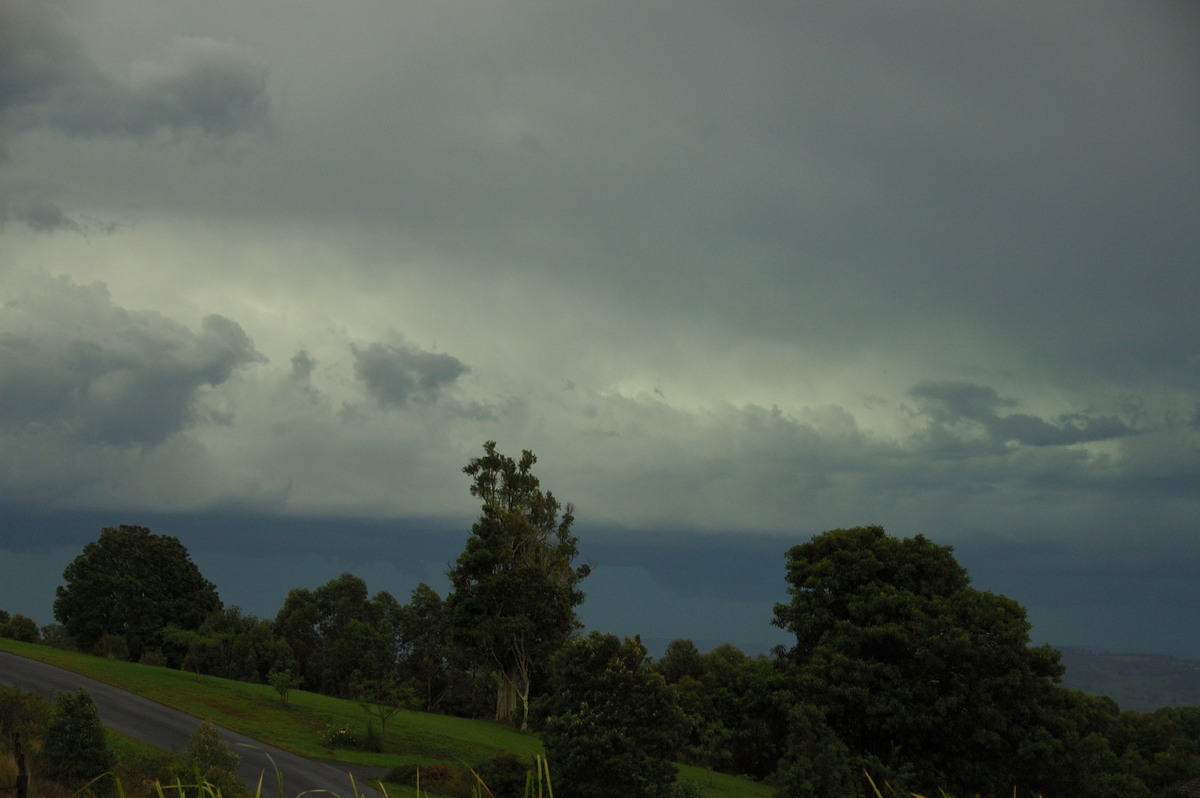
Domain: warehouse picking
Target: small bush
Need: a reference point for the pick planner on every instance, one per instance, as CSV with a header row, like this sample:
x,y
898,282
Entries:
x,y
686,789
212,762
112,647
75,750
19,627
22,712
434,777
140,767
340,737
153,656
371,741
505,775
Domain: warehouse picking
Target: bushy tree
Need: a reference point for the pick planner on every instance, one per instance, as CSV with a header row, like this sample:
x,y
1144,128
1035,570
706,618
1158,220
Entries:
x,y
612,726
213,762
926,680
339,635
75,749
132,583
515,586
19,627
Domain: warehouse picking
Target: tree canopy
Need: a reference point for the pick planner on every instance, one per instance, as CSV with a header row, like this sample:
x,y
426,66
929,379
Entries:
x,y
924,679
339,635
613,726
515,586
132,583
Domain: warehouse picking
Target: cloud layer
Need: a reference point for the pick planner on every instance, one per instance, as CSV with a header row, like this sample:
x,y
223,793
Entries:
x,y
726,270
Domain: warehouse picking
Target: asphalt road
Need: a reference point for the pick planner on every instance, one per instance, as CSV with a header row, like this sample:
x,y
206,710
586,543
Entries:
x,y
171,729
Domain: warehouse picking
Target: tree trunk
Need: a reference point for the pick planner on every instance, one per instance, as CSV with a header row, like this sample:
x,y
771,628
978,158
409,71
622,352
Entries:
x,y
506,695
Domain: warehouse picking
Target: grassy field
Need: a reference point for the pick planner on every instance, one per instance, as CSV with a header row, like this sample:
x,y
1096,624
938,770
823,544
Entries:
x,y
412,737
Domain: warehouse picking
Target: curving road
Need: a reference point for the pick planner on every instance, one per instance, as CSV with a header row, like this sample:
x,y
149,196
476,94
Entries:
x,y
171,729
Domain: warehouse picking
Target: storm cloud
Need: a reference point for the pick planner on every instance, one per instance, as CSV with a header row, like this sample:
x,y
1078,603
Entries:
x,y
951,404
72,362
732,272
214,88
396,374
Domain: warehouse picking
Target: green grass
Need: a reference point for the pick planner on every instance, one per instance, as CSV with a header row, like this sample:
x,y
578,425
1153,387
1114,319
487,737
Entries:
x,y
255,710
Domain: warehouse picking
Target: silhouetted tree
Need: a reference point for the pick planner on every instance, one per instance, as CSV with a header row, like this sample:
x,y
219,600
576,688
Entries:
x,y
132,583
515,586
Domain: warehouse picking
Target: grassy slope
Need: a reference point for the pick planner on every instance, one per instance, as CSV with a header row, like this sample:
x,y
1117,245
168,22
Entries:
x,y
255,710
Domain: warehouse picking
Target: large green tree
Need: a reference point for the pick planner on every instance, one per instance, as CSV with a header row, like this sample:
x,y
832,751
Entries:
x,y
926,680
133,584
515,587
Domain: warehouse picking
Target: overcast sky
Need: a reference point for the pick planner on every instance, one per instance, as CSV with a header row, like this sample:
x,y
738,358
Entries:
x,y
272,271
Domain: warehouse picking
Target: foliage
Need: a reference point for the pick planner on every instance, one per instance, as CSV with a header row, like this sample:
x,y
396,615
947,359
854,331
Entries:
x,y
23,713
515,587
735,707
339,635
153,656
213,762
75,750
229,644
340,736
425,658
132,583
382,698
913,670
612,725
112,646
19,627
284,682
505,774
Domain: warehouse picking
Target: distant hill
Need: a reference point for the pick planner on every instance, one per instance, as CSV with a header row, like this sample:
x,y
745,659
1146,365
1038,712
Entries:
x,y
1139,682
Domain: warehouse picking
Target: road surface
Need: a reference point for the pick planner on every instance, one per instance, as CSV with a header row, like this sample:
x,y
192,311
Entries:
x,y
171,729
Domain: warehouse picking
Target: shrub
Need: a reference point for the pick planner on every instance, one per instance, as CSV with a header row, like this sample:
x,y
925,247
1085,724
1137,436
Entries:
x,y
75,749
153,656
22,712
211,761
372,742
113,647
140,767
505,775
21,628
433,777
340,737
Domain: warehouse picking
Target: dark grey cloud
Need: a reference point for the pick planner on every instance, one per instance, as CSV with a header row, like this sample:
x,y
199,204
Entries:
x,y
303,365
47,81
34,209
953,403
73,363
396,374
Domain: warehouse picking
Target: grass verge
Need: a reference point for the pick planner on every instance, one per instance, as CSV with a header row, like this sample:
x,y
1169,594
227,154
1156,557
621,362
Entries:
x,y
255,710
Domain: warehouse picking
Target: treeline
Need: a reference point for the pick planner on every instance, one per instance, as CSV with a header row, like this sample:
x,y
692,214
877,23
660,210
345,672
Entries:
x,y
899,668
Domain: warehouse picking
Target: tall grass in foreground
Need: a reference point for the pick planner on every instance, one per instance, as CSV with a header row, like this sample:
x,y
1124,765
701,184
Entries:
x,y
943,793
537,785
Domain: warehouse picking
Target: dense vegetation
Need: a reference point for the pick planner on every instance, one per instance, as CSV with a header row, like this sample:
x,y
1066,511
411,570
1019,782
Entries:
x,y
899,667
